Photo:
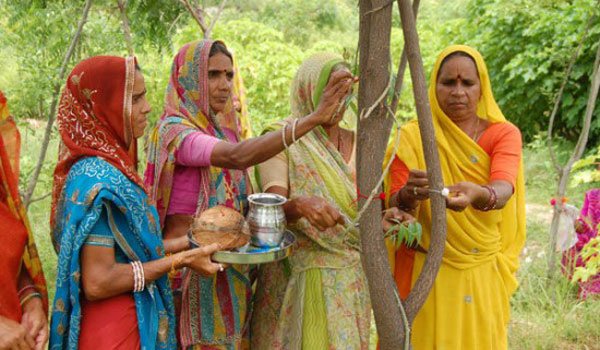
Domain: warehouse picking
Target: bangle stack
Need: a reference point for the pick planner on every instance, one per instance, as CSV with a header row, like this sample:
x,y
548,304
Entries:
x,y
283,135
283,131
175,262
28,292
491,204
139,280
294,130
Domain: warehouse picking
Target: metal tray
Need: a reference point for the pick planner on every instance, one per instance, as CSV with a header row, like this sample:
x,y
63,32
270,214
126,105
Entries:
x,y
249,254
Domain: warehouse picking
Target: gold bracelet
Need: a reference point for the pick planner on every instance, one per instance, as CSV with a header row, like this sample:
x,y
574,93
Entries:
x,y
177,258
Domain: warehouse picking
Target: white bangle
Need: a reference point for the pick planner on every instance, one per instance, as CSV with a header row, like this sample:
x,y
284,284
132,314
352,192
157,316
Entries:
x,y
283,136
138,276
143,277
135,275
294,130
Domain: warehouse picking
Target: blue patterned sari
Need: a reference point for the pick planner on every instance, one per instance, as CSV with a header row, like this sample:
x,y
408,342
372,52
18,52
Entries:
x,y
91,185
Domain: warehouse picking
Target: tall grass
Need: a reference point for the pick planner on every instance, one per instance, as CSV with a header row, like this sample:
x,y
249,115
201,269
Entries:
x,y
546,314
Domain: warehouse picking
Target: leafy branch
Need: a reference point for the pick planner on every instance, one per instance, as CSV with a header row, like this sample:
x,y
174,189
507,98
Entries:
x,y
408,234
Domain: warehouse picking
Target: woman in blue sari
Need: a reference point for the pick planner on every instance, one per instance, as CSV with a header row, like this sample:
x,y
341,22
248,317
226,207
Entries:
x,y
112,289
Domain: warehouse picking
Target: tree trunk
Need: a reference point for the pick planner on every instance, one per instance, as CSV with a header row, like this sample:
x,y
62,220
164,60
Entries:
x,y
372,136
421,289
52,114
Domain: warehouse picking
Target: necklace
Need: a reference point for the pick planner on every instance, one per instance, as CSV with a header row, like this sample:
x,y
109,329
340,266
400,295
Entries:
x,y
476,132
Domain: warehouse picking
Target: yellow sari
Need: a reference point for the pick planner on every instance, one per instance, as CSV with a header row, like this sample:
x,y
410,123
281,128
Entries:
x,y
468,307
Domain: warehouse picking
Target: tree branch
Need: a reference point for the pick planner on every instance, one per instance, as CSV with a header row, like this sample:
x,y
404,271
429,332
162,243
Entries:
x,y
379,8
196,15
558,98
423,285
215,19
402,67
33,200
589,112
51,115
125,21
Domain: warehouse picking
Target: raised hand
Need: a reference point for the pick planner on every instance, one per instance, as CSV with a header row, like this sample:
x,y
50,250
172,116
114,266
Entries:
x,y
339,85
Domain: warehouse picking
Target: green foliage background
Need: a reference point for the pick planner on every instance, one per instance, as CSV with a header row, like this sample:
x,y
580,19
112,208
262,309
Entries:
x,y
527,45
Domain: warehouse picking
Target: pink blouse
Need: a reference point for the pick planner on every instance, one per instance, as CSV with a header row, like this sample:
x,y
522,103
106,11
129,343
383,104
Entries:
x,y
194,152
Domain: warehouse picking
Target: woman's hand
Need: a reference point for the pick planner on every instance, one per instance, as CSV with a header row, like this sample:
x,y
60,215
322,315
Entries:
x,y
318,212
464,194
415,189
198,259
34,320
339,85
393,216
417,185
14,336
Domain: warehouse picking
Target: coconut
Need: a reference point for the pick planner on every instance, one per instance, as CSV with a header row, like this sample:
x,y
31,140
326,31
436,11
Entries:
x,y
221,225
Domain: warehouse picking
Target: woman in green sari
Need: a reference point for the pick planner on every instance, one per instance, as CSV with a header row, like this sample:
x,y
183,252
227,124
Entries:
x,y
318,298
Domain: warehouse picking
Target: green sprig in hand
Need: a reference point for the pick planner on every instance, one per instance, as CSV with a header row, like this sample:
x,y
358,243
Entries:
x,y
401,227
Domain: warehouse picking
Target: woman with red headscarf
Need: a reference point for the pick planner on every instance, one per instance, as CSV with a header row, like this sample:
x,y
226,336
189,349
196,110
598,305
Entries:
x,y
111,286
23,297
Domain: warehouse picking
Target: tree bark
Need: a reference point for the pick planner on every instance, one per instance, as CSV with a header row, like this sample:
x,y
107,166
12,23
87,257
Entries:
x,y
372,136
52,114
421,289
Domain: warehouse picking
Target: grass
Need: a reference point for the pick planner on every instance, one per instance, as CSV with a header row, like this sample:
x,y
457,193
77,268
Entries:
x,y
546,314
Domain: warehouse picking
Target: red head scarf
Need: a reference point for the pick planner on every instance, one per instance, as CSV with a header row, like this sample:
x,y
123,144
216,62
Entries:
x,y
10,146
94,119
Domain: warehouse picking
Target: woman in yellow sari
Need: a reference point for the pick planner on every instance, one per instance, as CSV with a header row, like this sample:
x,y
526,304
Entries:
x,y
480,158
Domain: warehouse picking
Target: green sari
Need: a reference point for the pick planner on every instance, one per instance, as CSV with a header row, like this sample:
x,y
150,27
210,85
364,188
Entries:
x,y
318,298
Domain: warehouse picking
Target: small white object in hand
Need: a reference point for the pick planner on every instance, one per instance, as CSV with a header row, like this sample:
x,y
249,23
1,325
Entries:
x,y
444,192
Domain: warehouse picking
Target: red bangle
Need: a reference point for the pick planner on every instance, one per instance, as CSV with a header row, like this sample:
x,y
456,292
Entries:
x,y
491,204
25,289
